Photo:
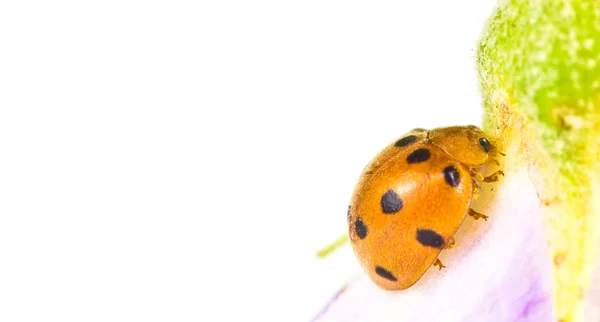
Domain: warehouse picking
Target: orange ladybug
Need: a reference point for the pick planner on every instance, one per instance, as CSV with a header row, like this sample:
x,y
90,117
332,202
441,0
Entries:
x,y
412,198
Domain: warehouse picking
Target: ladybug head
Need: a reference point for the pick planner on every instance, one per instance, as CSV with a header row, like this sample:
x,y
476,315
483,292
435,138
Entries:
x,y
467,144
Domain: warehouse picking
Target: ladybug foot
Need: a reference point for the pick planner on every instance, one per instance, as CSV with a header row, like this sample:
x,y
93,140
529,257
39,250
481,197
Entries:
x,y
477,215
438,263
451,243
494,176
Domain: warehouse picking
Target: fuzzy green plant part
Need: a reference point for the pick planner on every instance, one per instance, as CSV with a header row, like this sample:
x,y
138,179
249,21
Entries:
x,y
539,66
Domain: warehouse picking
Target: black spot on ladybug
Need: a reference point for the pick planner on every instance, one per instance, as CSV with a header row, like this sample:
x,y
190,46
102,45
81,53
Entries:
x,y
391,202
385,273
452,176
360,228
405,141
485,144
428,237
418,155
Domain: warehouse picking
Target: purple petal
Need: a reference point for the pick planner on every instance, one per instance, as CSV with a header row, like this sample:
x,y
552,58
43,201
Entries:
x,y
500,270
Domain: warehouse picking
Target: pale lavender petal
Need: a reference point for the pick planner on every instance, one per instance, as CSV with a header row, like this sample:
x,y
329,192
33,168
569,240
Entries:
x,y
592,300
499,271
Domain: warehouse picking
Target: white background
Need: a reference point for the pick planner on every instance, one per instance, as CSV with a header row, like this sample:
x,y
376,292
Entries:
x,y
183,161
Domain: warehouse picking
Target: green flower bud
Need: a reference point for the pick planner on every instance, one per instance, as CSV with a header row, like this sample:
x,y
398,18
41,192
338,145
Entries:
x,y
539,67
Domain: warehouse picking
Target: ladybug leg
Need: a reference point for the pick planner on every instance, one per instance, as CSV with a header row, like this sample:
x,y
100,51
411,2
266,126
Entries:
x,y
476,175
494,176
477,215
451,243
438,263
476,187
476,182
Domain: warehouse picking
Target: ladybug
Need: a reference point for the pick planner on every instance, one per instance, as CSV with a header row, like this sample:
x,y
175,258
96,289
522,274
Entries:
x,y
412,198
